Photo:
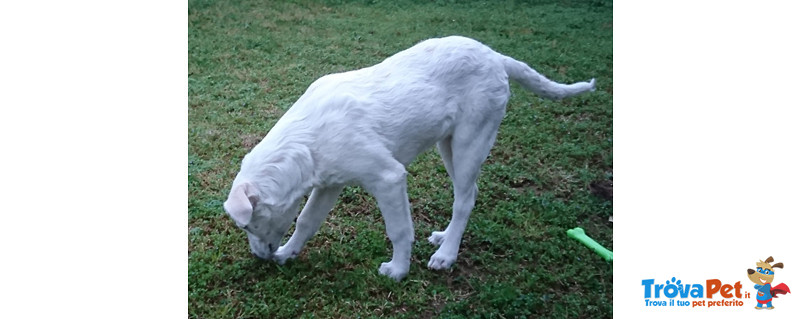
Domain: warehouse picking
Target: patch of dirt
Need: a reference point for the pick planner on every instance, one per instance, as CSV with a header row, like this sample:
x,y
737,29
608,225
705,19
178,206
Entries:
x,y
603,189
523,184
250,140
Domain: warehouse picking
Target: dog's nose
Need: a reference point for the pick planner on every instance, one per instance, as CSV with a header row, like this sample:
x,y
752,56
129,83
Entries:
x,y
750,271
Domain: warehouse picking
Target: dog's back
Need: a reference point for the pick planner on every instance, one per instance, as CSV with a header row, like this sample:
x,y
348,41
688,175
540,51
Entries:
x,y
415,98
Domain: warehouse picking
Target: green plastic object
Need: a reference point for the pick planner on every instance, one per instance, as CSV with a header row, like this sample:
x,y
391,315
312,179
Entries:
x,y
580,235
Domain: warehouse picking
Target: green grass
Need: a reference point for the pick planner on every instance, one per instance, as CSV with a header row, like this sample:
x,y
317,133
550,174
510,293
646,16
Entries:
x,y
250,60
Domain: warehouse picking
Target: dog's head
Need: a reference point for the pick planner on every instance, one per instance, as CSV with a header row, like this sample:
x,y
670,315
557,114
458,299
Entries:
x,y
264,221
764,272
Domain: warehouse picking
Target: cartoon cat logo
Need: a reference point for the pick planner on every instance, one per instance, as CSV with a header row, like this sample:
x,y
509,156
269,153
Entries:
x,y
762,277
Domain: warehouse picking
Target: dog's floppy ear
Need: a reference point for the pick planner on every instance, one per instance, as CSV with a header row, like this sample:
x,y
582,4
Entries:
x,y
240,203
769,260
778,265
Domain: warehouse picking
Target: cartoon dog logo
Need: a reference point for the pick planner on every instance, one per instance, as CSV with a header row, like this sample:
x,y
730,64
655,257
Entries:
x,y
762,277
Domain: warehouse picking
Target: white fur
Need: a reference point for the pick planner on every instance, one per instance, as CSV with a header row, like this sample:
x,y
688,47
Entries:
x,y
364,127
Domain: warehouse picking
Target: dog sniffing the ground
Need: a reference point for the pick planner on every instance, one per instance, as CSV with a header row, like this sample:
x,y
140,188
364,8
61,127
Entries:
x,y
364,127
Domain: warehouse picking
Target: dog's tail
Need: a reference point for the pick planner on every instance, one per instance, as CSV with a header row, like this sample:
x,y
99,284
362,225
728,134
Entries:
x,y
537,83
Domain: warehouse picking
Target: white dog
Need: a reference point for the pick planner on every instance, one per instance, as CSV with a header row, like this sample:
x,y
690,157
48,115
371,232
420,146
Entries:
x,y
364,127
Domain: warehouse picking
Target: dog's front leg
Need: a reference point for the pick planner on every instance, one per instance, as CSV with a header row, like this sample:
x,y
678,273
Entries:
x,y
390,192
317,208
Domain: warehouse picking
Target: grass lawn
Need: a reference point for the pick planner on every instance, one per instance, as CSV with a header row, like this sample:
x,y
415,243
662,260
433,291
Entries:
x,y
250,60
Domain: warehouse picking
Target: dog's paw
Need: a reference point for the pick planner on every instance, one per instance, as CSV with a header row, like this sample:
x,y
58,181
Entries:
x,y
436,238
283,254
441,260
394,271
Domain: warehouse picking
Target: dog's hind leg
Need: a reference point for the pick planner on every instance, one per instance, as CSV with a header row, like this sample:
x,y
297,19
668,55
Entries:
x,y
469,147
389,188
316,209
446,153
